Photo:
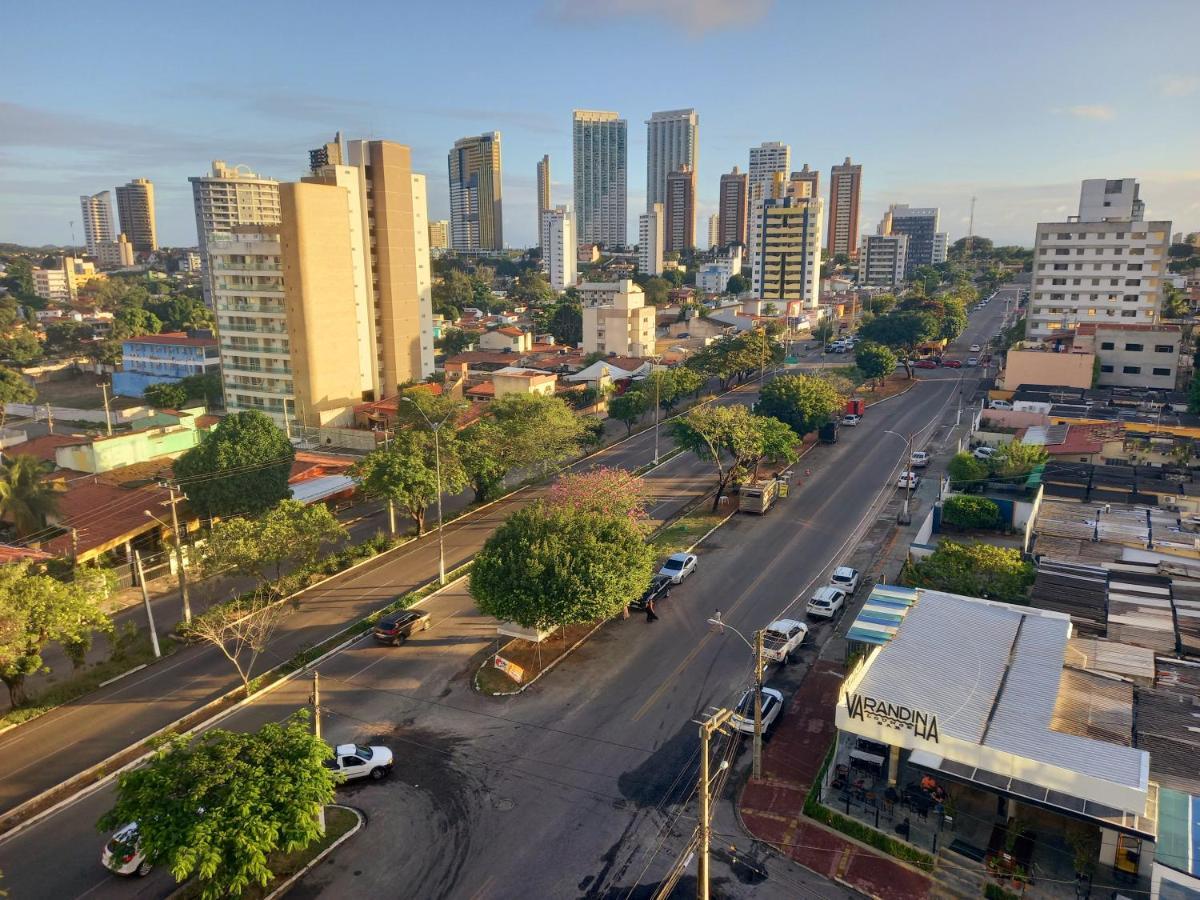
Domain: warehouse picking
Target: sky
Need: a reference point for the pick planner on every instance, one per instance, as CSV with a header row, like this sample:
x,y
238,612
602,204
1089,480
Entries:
x,y
1013,103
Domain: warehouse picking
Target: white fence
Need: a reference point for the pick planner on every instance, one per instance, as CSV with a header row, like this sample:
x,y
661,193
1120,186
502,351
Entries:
x,y
67,414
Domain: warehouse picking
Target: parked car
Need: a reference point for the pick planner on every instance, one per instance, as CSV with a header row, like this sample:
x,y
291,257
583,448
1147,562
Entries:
x,y
660,588
123,855
851,419
908,480
919,459
398,627
984,453
781,637
846,578
825,602
952,363
924,364
972,362
678,567
999,404
975,348
743,716
360,761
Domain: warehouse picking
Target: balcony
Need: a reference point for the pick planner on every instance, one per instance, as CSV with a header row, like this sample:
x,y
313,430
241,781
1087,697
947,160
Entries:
x,y
225,265
254,348
224,327
247,307
255,370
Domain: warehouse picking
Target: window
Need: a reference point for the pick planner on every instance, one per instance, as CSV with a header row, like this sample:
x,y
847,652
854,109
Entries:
x,y
1062,252
1163,373
1063,236
1107,345
1129,314
1106,368
1163,348
1131,370
1133,348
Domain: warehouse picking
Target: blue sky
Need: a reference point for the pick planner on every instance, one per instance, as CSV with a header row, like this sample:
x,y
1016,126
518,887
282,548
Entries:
x,y
1013,102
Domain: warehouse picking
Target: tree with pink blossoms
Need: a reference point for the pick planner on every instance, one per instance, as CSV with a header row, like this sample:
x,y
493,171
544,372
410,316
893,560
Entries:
x,y
609,492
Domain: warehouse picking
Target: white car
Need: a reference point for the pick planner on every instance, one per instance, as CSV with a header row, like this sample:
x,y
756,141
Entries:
x,y
825,602
974,348
999,404
908,480
743,716
360,761
678,567
972,361
845,578
782,637
920,459
984,453
851,419
123,853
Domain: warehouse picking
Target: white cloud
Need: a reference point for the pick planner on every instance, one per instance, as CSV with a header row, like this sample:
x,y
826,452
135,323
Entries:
x,y
695,17
1099,112
1180,85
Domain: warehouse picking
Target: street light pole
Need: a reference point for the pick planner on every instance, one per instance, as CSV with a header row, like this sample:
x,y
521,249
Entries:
x,y
437,461
757,649
707,727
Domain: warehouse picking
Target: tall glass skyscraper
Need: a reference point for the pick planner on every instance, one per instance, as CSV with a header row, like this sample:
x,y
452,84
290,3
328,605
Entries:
x,y
600,177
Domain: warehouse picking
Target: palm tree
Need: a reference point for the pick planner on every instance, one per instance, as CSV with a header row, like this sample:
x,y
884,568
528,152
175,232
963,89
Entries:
x,y
25,498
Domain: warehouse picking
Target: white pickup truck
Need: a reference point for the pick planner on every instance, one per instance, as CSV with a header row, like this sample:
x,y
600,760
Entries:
x,y
781,638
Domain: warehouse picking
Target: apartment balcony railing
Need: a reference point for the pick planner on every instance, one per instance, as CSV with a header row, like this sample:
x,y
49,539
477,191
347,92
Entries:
x,y
254,348
228,266
251,307
223,327
256,370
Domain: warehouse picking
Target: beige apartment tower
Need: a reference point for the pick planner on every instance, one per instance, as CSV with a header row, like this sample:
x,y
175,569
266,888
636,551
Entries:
x,y
135,212
97,221
543,194
476,194
845,185
439,235
733,208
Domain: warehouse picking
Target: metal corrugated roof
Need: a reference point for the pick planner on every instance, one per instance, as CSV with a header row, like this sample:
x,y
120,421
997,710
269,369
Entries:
x,y
882,614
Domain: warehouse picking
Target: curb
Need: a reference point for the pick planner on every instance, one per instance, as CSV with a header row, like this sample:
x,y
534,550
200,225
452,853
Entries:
x,y
296,876
117,678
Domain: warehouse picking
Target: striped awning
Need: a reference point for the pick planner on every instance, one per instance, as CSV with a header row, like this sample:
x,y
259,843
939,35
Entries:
x,y
1178,843
882,614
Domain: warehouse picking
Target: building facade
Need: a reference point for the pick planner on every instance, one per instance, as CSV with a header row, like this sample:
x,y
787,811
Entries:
x,y
882,259
135,212
788,264
228,197
115,254
713,276
680,228
651,235
97,221
543,193
559,249
158,358
845,186
926,245
476,194
766,160
733,208
714,231
616,319
672,140
808,176
1102,198
600,178
439,235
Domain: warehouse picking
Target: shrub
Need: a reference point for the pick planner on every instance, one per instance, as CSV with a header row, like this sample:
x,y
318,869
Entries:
x,y
970,512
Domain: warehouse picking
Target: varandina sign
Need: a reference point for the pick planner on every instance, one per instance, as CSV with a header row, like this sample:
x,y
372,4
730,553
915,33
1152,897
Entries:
x,y
892,715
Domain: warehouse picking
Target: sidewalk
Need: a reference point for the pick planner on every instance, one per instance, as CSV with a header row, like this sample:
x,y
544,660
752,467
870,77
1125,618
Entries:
x,y
772,809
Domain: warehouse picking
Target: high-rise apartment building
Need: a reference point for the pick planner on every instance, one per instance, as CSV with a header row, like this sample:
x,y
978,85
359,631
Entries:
x,y
809,176
439,235
882,259
476,194
845,185
228,197
778,188
651,237
115,254
326,155
97,221
766,160
733,208
926,245
714,231
672,140
559,247
543,195
788,266
600,178
135,212
1103,270
681,210
617,320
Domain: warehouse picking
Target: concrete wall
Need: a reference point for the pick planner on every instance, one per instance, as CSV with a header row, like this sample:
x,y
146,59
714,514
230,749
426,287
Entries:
x,y
1040,367
67,414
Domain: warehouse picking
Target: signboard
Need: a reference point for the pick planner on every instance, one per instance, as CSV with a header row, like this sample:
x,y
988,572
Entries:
x,y
892,715
511,669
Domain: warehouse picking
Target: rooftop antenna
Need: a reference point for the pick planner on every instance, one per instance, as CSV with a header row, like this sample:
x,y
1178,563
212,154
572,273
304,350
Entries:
x,y
971,228
72,224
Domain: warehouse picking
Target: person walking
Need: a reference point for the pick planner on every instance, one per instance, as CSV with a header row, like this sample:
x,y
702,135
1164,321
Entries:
x,y
650,614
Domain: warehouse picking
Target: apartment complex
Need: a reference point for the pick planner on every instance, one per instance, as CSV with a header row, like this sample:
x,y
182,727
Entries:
x,y
616,319
681,210
845,186
135,212
882,259
600,178
115,254
808,176
714,231
651,236
672,140
62,284
439,235
543,193
170,357
767,160
780,187
733,209
787,265
228,197
713,276
97,221
476,194
926,245
1102,198
559,250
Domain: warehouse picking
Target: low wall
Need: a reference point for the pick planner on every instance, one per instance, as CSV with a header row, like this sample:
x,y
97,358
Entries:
x,y
67,414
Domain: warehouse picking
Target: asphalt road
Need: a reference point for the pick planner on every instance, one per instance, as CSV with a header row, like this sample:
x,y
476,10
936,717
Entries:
x,y
580,786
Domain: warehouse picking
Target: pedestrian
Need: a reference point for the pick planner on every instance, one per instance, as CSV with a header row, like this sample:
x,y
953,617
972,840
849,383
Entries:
x,y
650,615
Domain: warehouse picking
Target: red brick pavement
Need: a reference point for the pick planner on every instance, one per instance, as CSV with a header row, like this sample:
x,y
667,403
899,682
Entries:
x,y
773,809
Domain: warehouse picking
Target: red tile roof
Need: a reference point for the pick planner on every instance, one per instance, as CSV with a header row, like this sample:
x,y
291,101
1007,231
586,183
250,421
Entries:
x,y
12,554
104,515
43,447
511,331
483,389
307,464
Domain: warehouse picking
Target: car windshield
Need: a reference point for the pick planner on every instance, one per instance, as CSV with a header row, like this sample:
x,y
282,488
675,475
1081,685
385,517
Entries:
x,y
843,576
816,602
364,752
674,564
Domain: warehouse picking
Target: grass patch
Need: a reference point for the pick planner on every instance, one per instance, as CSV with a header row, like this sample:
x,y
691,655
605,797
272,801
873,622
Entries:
x,y
490,680
688,528
338,822
534,658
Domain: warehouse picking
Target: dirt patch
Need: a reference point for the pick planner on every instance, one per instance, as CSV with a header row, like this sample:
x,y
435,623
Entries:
x,y
533,658
892,385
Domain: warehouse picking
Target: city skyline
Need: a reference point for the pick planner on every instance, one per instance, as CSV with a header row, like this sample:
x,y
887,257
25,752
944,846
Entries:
x,y
1016,119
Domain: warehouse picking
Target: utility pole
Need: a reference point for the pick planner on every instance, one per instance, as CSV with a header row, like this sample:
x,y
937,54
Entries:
x,y
708,727
908,482
657,385
49,419
758,674
971,230
183,585
437,461
107,414
141,577
316,703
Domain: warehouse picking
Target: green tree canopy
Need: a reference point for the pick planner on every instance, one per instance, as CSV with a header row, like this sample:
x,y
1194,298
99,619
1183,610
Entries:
x,y
967,511
455,340
165,395
802,402
966,472
1015,460
241,467
875,361
406,473
13,389
20,346
179,312
629,407
27,500
737,284
974,570
215,807
901,330
67,337
134,321
557,566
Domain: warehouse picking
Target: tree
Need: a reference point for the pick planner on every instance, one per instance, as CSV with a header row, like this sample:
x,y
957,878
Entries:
x,y
179,312
1175,303
165,395
67,337
975,570
20,346
803,402
629,407
241,467
737,284
875,361
206,387
217,806
27,500
240,628
259,547
603,491
823,332
881,304
18,277
406,473
565,322
133,321
970,512
901,330
1016,460
36,610
656,289
1181,250
1194,394
670,385
13,389
966,472
455,340
733,440
558,566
